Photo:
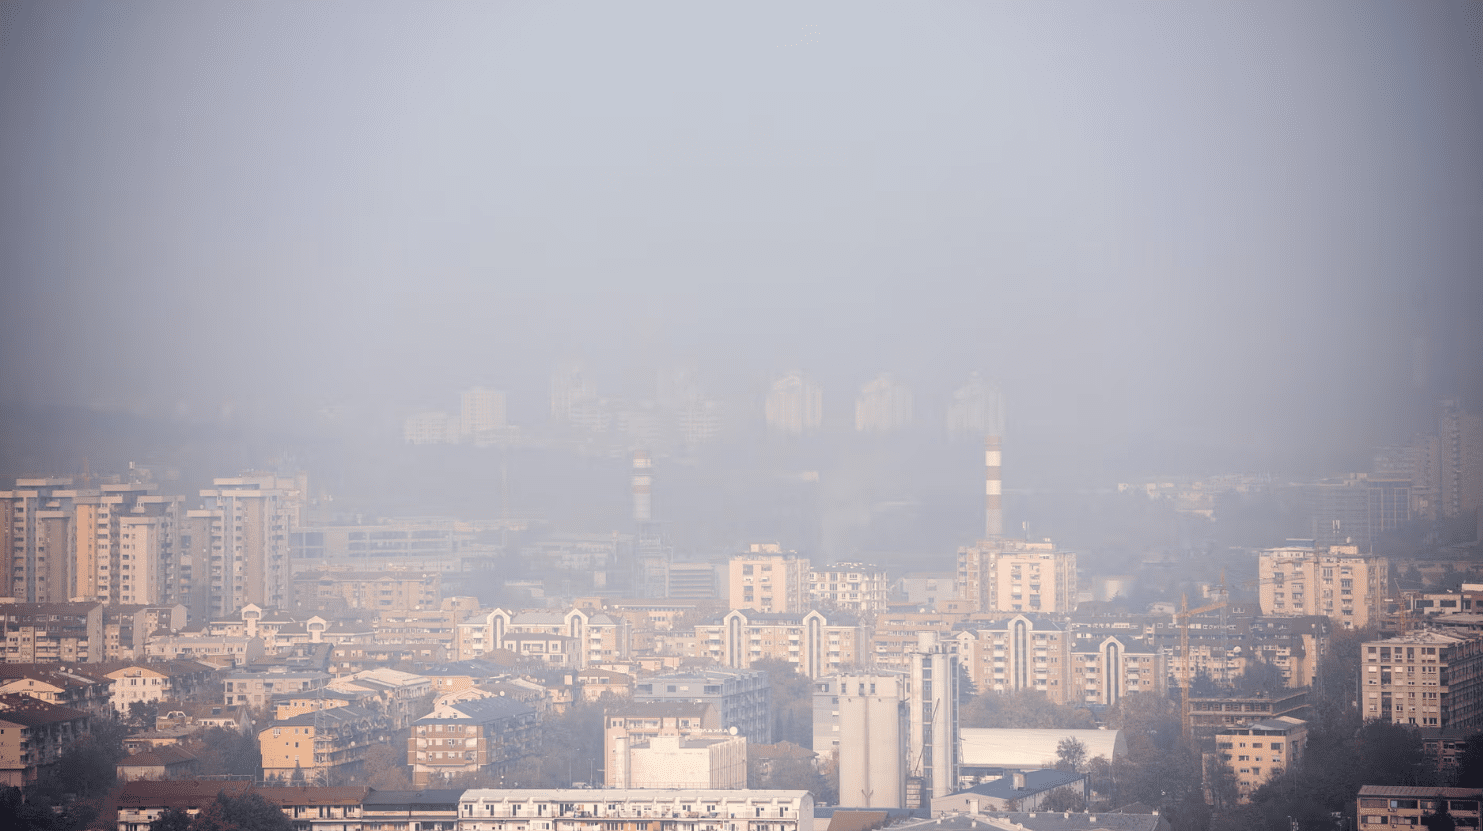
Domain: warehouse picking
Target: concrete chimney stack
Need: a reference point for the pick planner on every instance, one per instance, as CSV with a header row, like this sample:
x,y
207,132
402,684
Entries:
x,y
643,477
993,490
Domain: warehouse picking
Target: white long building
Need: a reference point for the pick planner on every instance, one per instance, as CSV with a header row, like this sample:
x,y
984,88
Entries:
x,y
631,809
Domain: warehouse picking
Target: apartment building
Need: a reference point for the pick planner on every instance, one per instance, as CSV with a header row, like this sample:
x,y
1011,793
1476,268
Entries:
x,y
397,590
156,681
816,643
637,722
217,650
1382,807
1105,669
55,684
324,746
52,632
1010,575
36,540
571,639
1337,582
247,521
33,735
256,688
1259,751
742,698
1211,714
893,634
768,579
1427,678
850,587
717,760
428,809
637,809
1023,652
482,735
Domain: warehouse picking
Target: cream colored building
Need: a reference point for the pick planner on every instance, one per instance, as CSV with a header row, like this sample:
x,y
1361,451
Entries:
x,y
818,644
1338,583
768,579
852,587
632,809
1020,653
1105,669
390,590
795,405
883,405
1260,751
674,761
1011,575
250,520
1428,678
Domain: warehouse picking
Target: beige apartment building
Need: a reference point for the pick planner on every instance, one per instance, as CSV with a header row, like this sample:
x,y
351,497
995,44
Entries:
x,y
767,579
1339,583
818,644
1427,678
36,633
1259,751
391,590
1105,669
850,587
1010,575
1019,653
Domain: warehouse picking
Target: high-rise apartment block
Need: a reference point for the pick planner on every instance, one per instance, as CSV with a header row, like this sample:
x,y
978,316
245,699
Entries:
x,y
1357,509
245,551
794,405
1460,450
768,579
1426,678
481,412
882,406
1337,582
1011,575
975,410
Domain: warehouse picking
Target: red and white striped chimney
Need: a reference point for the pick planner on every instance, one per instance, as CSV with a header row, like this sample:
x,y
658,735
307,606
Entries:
x,y
993,490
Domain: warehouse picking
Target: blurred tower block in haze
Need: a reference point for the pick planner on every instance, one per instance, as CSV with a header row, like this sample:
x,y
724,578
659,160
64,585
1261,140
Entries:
x,y
794,405
976,409
430,427
572,393
884,405
482,413
1460,445
1357,509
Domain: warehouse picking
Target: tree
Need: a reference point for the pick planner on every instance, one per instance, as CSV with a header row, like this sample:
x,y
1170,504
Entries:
x,y
385,767
173,819
1071,755
1063,799
1022,708
1438,819
792,702
248,812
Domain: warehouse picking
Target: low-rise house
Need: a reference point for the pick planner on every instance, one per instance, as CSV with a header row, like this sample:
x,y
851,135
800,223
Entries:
x,y
1017,791
202,715
322,746
33,735
167,762
482,735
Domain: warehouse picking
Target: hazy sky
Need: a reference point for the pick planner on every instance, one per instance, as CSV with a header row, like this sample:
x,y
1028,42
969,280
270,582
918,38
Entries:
x,y
1232,225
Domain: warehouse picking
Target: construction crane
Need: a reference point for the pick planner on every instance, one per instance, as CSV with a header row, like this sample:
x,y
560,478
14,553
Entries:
x,y
1182,618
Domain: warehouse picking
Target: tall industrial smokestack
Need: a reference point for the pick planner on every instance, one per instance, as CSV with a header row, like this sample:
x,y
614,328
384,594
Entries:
x,y
643,477
993,490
